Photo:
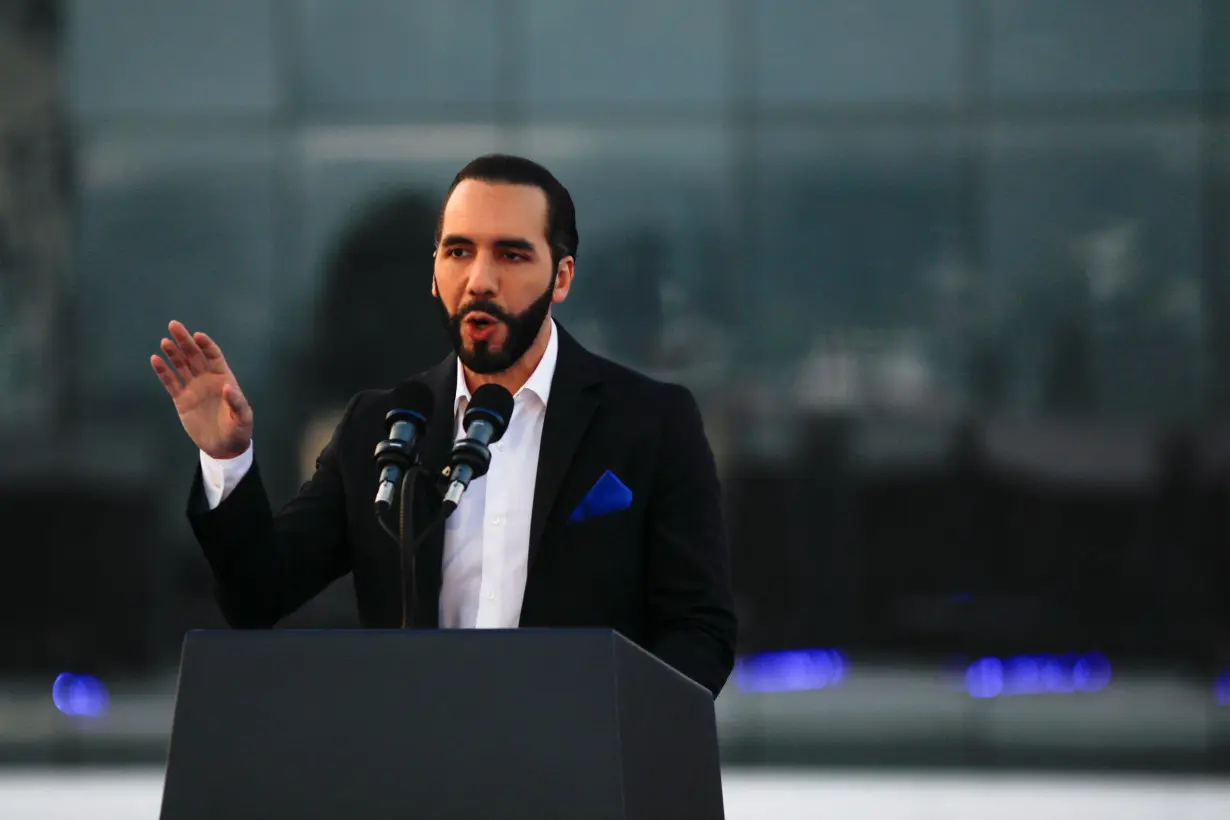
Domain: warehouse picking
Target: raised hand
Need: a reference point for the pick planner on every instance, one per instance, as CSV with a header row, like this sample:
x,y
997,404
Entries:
x,y
207,397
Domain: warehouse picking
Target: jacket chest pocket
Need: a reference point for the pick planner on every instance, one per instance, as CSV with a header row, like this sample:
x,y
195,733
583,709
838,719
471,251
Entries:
x,y
603,548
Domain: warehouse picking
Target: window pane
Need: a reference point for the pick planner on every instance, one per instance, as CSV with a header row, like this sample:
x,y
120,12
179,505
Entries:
x,y
655,285
173,229
171,56
363,262
1043,48
638,52
857,50
345,169
399,52
1094,250
856,259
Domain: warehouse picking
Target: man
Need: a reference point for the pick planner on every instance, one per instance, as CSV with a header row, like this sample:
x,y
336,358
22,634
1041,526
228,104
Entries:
x,y
512,554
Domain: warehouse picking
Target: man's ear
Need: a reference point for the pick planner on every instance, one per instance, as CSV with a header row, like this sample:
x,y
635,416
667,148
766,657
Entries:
x,y
435,291
563,279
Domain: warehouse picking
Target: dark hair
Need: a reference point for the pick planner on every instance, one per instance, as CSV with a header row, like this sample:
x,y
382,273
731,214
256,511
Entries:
x,y
511,170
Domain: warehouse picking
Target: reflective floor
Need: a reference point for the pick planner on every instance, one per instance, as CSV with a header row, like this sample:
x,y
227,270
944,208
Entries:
x,y
134,794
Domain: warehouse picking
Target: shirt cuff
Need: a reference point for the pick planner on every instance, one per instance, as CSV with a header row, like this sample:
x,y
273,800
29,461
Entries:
x,y
221,476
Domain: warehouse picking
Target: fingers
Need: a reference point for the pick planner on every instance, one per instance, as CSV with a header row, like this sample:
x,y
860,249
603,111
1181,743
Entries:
x,y
209,348
168,379
192,356
176,357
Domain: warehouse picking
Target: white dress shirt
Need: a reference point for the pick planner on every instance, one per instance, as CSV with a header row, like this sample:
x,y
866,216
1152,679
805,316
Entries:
x,y
487,539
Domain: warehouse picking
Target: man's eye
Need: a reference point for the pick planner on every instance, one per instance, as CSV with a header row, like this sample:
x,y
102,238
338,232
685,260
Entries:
x,y
456,253
515,257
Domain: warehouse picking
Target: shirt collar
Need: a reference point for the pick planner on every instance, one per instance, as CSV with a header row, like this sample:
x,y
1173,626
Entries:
x,y
539,382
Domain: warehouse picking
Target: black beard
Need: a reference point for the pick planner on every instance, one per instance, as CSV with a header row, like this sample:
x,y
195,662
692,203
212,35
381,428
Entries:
x,y
522,329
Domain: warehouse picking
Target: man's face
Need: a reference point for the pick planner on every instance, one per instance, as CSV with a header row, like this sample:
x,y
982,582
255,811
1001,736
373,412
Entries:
x,y
494,278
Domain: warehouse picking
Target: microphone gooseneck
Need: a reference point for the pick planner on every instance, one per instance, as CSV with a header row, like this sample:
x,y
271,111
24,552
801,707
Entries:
x,y
407,426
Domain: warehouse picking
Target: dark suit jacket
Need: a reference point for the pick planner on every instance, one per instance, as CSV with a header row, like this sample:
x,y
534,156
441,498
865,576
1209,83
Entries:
x,y
658,572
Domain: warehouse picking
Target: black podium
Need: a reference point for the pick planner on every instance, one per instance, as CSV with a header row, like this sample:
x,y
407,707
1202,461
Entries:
x,y
464,724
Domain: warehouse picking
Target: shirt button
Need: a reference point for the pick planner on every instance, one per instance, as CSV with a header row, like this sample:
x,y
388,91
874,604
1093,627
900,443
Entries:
x,y
497,520
490,596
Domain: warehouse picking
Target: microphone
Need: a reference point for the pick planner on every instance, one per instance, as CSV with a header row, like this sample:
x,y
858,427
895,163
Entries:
x,y
485,421
406,423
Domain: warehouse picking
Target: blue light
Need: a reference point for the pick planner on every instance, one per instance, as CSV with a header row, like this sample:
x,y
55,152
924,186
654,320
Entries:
x,y
79,695
985,678
1091,673
791,671
1057,674
1037,675
1221,688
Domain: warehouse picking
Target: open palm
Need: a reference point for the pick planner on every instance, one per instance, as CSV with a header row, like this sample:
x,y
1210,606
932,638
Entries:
x,y
207,397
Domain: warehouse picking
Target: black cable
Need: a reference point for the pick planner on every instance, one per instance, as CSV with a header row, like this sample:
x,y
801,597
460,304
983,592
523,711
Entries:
x,y
388,530
407,556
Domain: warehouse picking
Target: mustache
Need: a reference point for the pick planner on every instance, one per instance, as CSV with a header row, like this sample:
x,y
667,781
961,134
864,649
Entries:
x,y
482,306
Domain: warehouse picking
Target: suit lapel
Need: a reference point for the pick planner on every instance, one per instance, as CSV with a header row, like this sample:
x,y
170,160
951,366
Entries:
x,y
442,379
574,397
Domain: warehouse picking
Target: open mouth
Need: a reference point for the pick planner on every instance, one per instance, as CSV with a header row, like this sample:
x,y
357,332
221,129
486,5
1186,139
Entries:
x,y
480,320
480,326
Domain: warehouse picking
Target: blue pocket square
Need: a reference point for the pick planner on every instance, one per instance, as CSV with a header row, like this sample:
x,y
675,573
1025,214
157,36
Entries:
x,y
608,495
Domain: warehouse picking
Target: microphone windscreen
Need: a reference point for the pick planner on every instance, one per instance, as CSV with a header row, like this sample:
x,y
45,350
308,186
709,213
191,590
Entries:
x,y
494,403
415,397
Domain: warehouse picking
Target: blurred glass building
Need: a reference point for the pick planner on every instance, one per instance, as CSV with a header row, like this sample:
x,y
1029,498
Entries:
x,y
951,279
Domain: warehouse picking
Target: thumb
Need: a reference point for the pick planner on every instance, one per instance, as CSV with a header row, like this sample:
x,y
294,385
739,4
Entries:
x,y
233,399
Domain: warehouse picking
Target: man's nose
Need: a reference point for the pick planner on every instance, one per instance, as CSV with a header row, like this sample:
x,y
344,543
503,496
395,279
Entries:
x,y
484,280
